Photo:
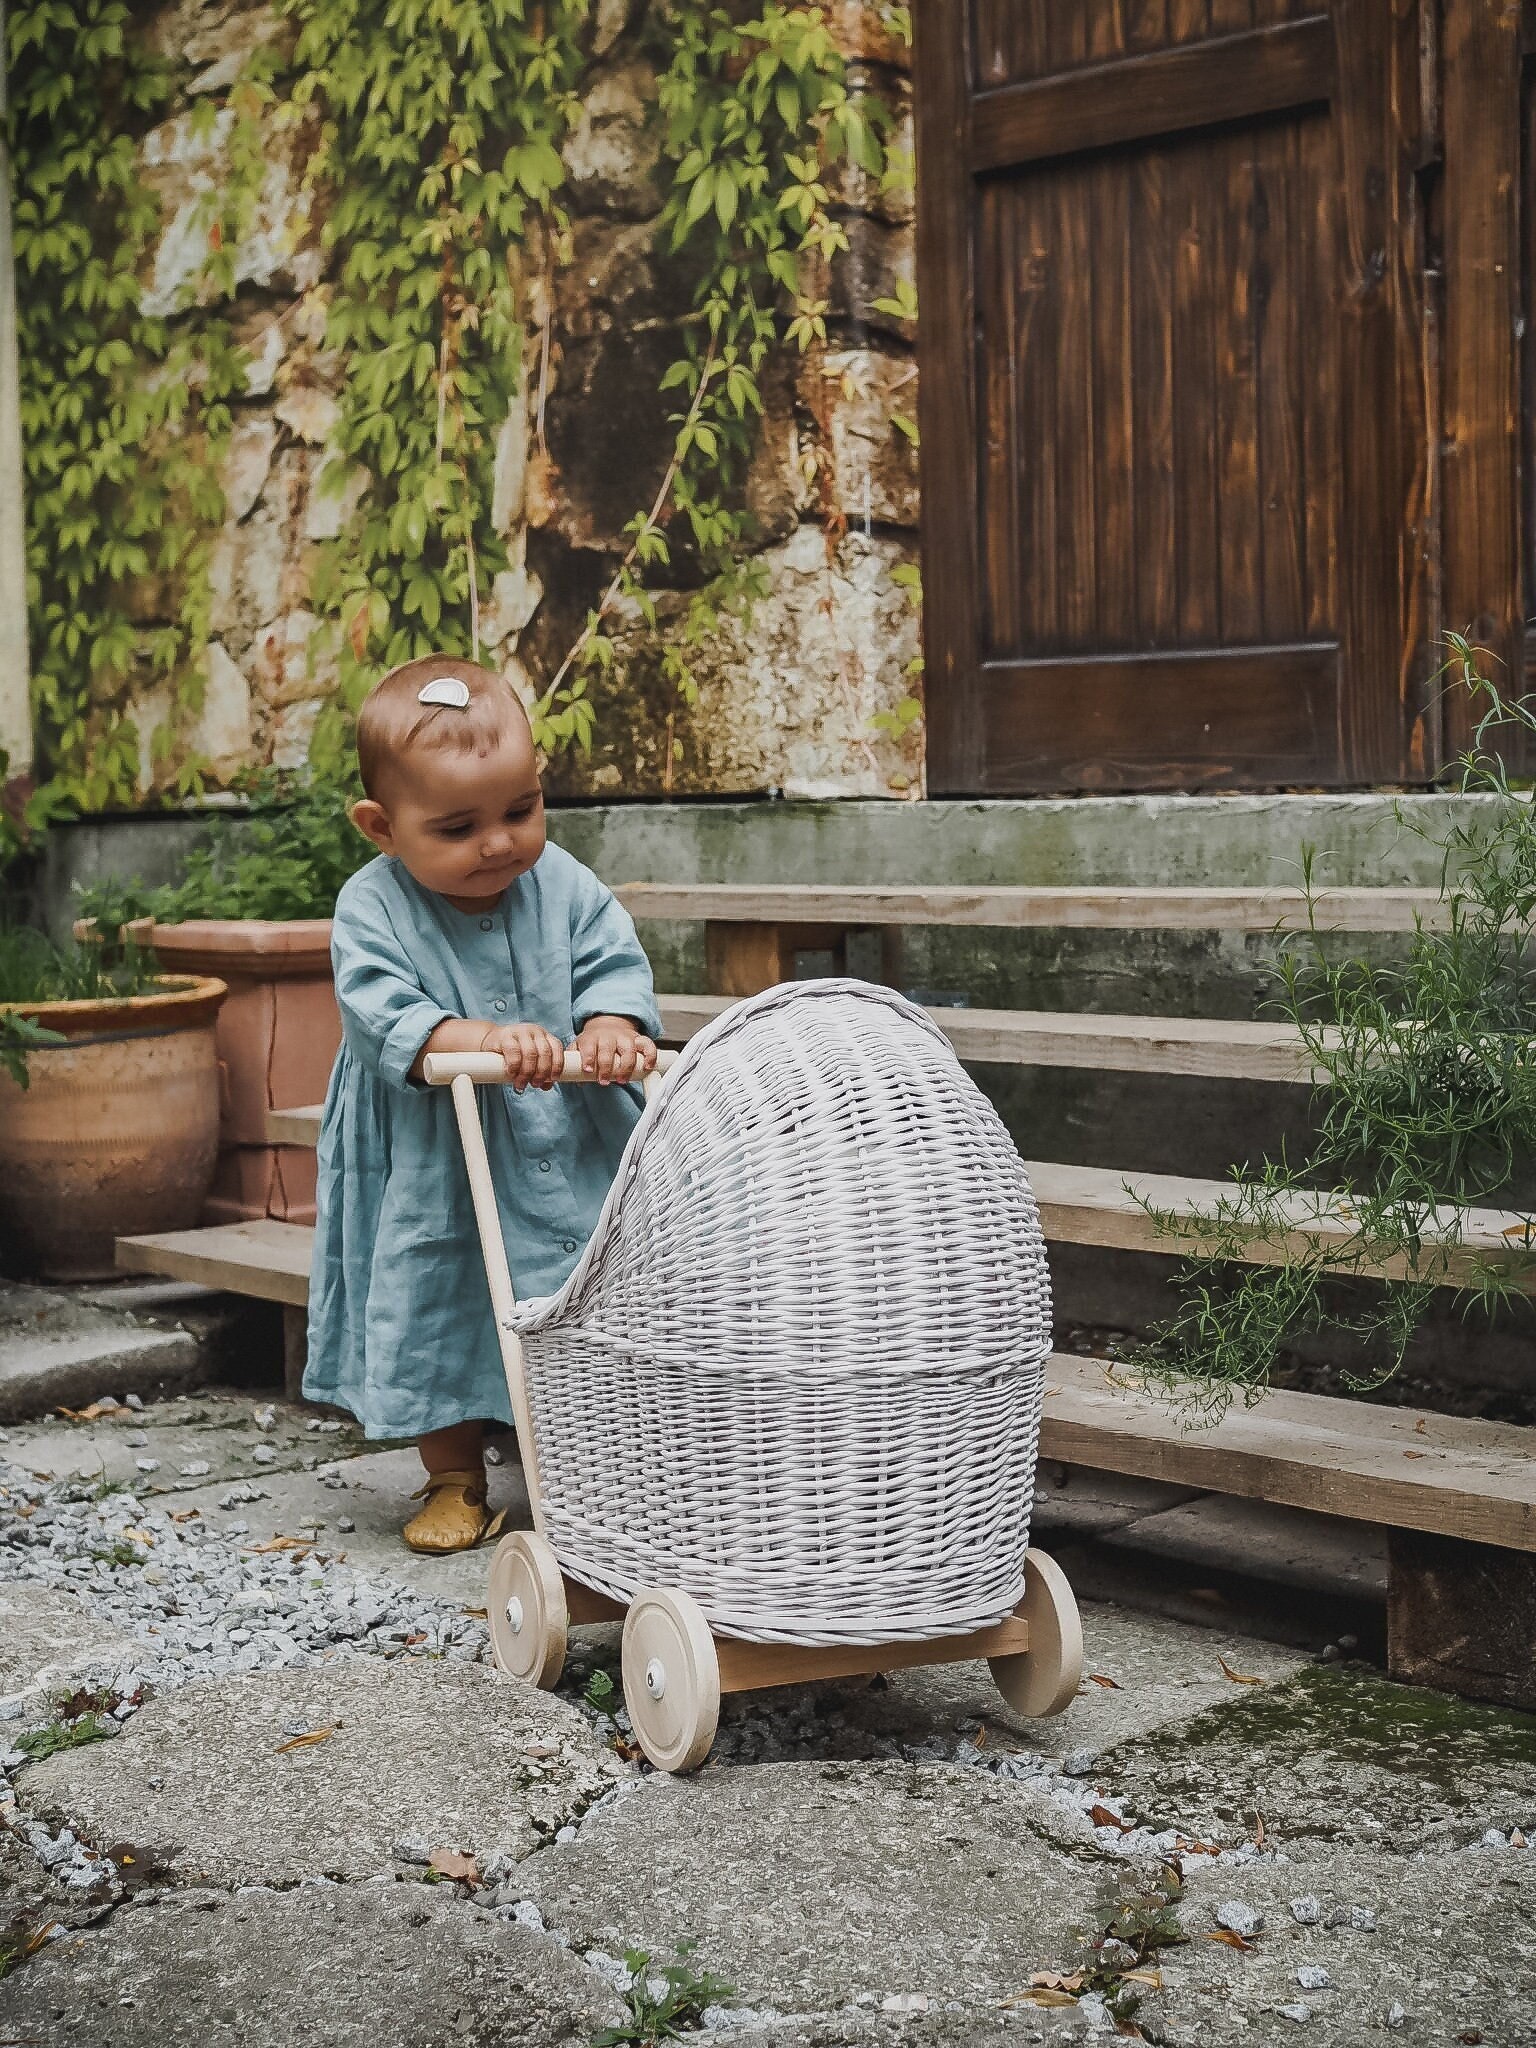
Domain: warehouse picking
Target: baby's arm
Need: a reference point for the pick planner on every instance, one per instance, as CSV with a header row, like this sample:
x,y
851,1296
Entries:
x,y
612,998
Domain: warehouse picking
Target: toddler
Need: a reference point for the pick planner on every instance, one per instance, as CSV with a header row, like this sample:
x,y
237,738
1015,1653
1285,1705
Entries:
x,y
470,934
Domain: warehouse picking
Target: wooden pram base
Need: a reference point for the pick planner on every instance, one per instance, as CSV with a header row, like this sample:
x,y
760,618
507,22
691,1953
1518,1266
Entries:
x,y
676,1669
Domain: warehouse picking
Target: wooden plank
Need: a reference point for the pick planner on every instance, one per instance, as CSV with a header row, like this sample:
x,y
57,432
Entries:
x,y
1101,909
1098,1206
1232,78
1462,1616
1472,1480
1481,482
1224,719
1385,572
1206,1047
1154,562
750,1667
947,405
265,1259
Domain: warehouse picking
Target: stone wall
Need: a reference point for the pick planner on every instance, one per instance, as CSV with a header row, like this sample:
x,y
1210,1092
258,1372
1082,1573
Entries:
x,y
789,694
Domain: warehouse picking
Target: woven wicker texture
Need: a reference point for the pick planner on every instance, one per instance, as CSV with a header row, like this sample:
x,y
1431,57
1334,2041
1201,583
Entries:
x,y
799,1370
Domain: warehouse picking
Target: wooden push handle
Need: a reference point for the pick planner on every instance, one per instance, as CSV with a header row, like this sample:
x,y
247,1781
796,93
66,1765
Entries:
x,y
488,1068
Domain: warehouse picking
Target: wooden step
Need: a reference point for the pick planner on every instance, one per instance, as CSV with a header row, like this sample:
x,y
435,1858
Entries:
x,y
1098,1206
1097,909
1400,1468
265,1259
1208,1047
1205,1047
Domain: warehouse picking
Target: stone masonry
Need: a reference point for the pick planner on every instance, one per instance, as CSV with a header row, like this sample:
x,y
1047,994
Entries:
x,y
788,697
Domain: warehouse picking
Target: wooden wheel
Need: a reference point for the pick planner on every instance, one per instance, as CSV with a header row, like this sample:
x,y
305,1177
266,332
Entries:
x,y
527,1610
1045,1677
671,1679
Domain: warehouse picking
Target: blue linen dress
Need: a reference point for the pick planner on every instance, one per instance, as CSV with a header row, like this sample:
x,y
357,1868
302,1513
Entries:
x,y
400,1324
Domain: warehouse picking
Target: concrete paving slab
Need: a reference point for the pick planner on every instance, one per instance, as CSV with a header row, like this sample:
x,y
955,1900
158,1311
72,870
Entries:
x,y
906,2029
445,1755
1450,1954
217,1430
1339,1754
48,1639
1159,1672
55,1348
1318,1553
807,1886
397,1966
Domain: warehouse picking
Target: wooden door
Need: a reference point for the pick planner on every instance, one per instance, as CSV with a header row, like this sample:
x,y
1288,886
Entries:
x,y
1179,522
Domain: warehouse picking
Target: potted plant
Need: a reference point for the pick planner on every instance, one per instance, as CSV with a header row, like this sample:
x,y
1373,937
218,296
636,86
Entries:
x,y
254,908
109,1101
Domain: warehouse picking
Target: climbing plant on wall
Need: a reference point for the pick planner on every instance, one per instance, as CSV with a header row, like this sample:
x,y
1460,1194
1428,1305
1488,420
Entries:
x,y
124,417
438,173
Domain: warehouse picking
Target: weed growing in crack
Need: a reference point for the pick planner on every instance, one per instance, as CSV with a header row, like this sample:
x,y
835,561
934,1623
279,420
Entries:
x,y
665,2000
21,1941
80,1717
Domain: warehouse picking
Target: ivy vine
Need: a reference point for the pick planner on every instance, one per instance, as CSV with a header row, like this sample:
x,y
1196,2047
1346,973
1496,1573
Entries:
x,y
124,415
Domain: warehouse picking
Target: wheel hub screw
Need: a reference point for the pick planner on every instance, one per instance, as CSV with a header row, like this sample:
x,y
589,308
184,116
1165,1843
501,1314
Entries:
x,y
656,1679
515,1616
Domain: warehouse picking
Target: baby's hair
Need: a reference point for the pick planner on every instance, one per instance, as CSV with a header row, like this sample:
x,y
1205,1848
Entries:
x,y
393,719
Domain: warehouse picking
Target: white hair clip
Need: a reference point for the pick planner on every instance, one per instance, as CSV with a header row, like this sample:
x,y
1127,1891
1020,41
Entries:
x,y
445,690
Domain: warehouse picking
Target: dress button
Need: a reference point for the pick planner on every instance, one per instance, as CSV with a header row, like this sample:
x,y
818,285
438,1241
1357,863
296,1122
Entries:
x,y
543,1166
487,924
500,1003
570,1244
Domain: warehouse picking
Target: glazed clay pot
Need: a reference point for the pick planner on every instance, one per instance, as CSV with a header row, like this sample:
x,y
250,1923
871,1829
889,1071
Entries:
x,y
118,1132
279,1031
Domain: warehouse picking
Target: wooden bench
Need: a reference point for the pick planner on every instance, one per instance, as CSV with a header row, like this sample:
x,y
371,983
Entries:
x,y
1458,1497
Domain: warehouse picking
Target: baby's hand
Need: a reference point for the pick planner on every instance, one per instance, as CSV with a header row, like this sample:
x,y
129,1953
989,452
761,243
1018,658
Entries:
x,y
613,1050
533,1055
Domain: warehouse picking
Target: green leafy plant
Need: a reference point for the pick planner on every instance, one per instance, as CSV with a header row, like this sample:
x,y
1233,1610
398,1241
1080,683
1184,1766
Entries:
x,y
65,1734
34,971
286,858
124,414
601,1694
665,2000
1426,1104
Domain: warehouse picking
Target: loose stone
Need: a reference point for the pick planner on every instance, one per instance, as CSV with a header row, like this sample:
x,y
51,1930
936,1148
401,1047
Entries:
x,y
1239,1918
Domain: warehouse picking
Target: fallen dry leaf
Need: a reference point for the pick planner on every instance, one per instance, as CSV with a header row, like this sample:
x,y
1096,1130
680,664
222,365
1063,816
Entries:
x,y
1103,1818
140,1536
92,1414
475,1613
1237,1677
306,1741
1232,1940
1041,1998
1258,1830
187,1515
1415,1454
453,1863
1421,1425
1053,1980
277,1543
1098,1678
1153,1979
1520,1232
1516,1839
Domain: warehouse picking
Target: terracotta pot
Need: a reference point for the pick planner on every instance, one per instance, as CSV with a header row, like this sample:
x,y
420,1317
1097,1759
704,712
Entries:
x,y
279,1031
118,1131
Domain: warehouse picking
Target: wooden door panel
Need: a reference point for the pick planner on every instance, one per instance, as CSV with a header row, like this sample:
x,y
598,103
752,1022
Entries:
x,y
1146,321
1179,523
1015,40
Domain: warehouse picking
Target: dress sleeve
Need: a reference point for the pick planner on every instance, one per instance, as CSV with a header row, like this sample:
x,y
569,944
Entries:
x,y
386,1014
610,975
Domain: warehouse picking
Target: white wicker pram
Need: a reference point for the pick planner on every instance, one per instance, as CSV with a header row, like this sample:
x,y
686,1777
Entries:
x,y
796,1377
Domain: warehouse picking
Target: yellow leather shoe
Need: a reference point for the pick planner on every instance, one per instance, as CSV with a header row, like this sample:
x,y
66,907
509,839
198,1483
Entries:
x,y
455,1516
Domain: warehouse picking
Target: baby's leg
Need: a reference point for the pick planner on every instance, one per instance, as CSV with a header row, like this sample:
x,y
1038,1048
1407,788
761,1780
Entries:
x,y
455,1516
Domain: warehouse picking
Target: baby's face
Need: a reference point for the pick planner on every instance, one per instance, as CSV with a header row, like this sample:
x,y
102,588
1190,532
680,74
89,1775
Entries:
x,y
465,825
